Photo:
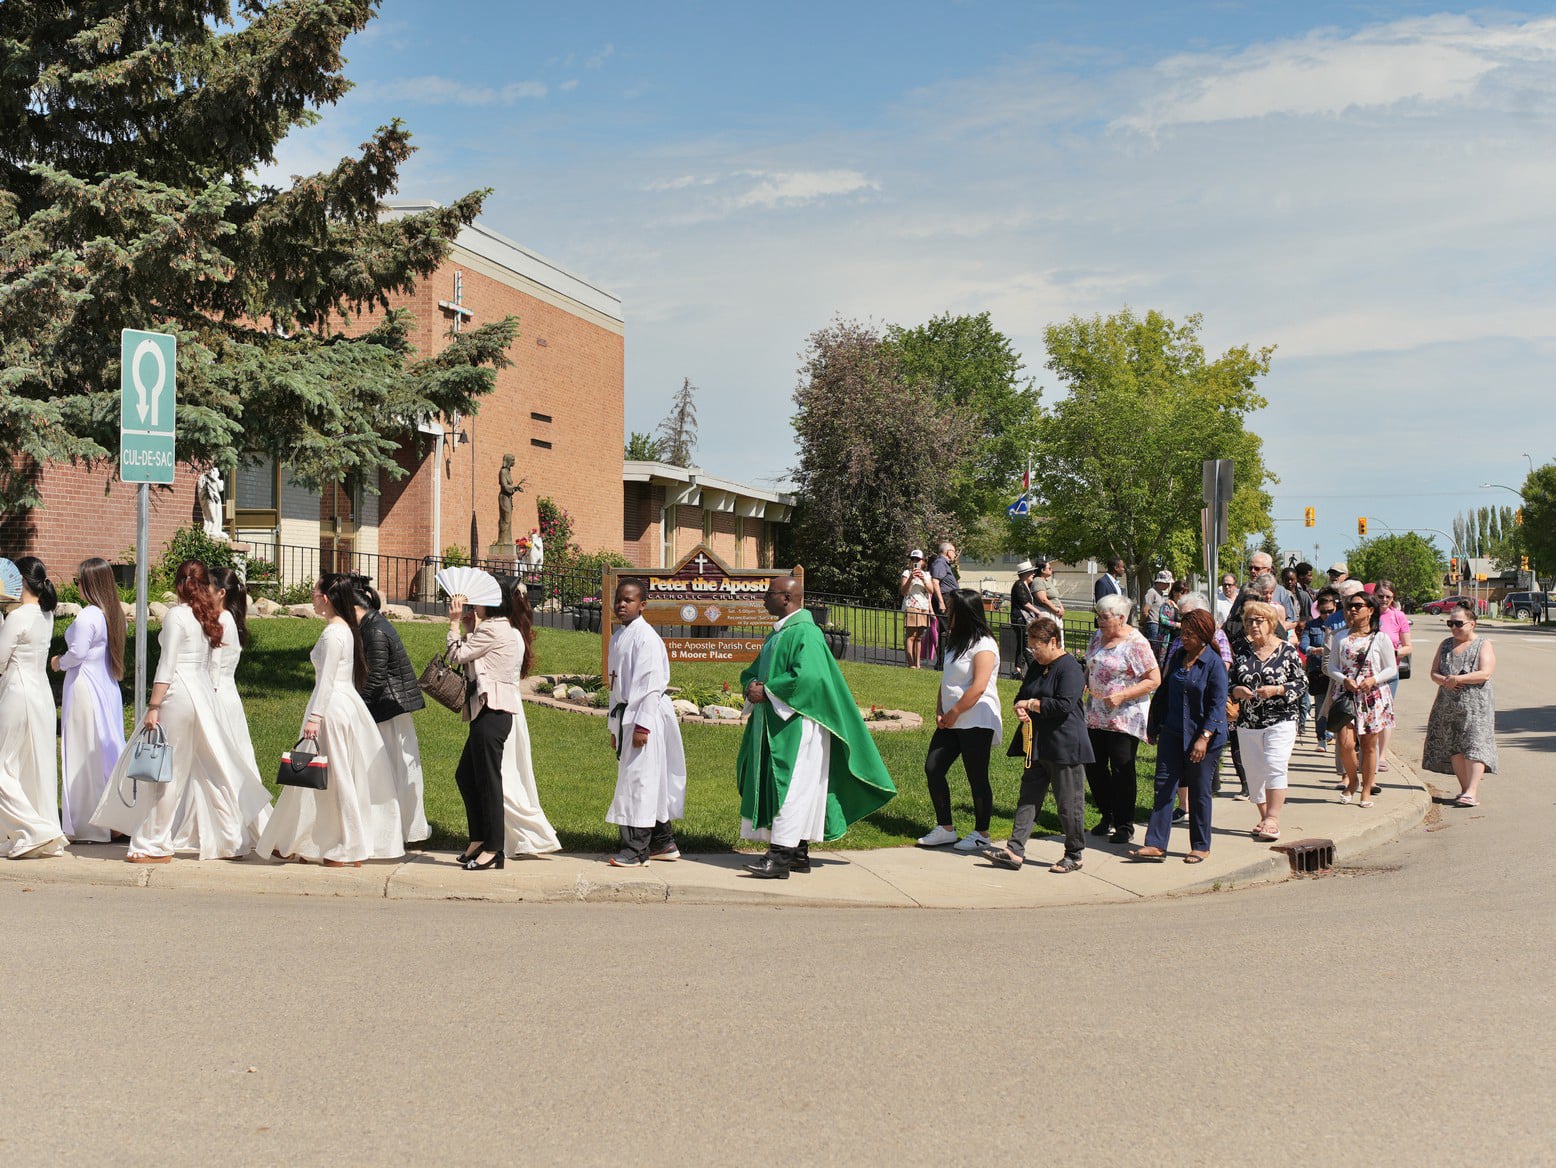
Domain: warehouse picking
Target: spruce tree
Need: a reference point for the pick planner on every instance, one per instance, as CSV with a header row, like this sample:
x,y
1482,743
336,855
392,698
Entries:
x,y
130,137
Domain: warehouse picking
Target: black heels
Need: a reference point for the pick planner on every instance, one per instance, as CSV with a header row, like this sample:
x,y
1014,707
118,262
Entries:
x,y
473,864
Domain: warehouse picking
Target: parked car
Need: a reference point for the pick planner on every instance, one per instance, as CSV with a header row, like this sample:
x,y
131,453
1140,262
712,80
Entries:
x,y
1524,605
1438,607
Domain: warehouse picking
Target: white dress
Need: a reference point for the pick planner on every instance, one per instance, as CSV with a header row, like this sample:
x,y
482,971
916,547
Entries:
x,y
191,719
526,830
650,779
238,749
403,751
357,816
29,799
91,725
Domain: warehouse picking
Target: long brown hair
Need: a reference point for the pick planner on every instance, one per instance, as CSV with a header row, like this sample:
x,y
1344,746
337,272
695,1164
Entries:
x,y
95,580
521,616
193,585
234,599
341,592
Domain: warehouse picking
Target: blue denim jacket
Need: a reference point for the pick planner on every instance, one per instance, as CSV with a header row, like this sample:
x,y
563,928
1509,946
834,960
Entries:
x,y
1204,699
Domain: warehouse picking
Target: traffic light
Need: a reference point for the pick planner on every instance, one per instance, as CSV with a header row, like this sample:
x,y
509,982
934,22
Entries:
x,y
1361,525
1518,517
1523,563
1308,517
1453,570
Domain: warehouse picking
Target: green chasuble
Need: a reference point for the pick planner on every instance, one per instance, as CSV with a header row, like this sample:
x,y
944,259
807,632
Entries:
x,y
796,667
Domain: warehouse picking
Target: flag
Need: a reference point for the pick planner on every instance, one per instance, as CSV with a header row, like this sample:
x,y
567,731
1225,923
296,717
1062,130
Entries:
x,y
1018,509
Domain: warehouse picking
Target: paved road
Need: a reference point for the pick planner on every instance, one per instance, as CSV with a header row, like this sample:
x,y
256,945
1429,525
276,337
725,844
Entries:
x,y
1398,1014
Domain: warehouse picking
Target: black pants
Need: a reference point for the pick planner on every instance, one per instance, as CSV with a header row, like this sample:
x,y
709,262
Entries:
x,y
643,842
1112,776
1069,783
973,747
479,776
1023,654
1237,759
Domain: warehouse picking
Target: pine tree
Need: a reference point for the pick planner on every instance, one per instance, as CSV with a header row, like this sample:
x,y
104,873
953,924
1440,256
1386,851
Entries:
x,y
678,432
129,138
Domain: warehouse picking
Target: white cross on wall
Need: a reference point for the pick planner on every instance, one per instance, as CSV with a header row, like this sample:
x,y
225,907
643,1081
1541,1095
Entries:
x,y
457,305
702,562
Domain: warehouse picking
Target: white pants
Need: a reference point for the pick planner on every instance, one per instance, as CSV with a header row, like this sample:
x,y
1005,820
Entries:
x,y
1266,755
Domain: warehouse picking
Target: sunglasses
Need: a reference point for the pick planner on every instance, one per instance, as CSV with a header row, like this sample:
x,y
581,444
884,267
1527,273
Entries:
x,y
1456,624
1354,607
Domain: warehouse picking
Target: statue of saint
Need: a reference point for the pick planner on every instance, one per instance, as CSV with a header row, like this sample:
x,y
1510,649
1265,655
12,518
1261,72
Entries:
x,y
506,489
210,489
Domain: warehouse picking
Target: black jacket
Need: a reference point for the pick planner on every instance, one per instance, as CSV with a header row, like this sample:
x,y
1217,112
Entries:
x,y
1059,727
391,688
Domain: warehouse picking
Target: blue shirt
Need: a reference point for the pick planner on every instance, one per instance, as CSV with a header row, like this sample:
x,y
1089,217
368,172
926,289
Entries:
x,y
1172,724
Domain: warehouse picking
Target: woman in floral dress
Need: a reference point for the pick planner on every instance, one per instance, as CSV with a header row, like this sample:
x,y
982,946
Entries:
x,y
1121,674
1361,663
1461,729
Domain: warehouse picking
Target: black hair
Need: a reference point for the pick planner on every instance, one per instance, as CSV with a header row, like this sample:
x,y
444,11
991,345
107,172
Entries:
x,y
234,599
968,626
1327,593
341,592
1304,568
35,578
636,582
1373,603
367,596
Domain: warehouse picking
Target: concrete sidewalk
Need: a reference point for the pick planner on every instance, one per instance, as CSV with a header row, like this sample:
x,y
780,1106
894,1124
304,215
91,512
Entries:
x,y
883,878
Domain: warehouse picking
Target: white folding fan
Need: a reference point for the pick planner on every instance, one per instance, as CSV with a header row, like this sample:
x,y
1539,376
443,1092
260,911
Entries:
x,y
10,580
476,586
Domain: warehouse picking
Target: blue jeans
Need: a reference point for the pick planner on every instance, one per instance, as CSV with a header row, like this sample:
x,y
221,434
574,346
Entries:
x,y
1175,769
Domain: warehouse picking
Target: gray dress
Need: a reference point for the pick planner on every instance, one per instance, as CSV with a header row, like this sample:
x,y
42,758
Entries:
x,y
1463,721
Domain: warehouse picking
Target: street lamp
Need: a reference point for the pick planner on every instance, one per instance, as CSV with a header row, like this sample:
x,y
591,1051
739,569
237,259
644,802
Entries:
x,y
1504,486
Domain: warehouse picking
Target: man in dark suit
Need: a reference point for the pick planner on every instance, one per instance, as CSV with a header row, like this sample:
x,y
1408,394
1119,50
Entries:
x,y
1110,583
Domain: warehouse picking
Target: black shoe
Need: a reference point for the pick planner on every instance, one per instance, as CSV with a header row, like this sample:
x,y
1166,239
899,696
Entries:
x,y
773,866
1122,835
1179,815
473,864
1102,828
799,859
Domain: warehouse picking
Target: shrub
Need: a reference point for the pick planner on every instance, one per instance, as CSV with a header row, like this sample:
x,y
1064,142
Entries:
x,y
455,556
556,528
259,569
300,593
191,543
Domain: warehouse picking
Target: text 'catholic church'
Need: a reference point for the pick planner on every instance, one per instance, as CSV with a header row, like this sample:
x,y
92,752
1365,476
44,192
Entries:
x,y
558,409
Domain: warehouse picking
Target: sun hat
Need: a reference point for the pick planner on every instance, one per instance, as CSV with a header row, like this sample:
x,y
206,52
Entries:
x,y
1338,568
1164,577
1024,567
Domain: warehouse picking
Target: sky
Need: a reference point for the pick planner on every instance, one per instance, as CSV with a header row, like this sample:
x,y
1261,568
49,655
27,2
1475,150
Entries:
x,y
1366,186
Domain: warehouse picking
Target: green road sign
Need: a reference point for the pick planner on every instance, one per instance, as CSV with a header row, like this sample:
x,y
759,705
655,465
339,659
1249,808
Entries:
x,y
147,392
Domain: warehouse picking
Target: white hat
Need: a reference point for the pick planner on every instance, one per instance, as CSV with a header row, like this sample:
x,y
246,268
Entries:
x,y
916,554
1338,568
1164,577
1024,567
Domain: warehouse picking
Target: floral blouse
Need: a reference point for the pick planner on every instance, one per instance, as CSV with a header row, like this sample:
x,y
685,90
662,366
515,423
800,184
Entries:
x,y
1283,668
1112,668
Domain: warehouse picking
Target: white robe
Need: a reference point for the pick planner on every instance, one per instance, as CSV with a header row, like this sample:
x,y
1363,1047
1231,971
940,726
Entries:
x,y
651,779
526,830
803,815
91,725
29,779
403,751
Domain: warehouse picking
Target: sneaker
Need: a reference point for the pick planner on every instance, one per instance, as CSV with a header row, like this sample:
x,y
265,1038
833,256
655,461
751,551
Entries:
x,y
937,838
1179,815
972,842
627,860
670,853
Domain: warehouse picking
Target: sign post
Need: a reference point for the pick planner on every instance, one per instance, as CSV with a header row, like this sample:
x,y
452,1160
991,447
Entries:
x,y
1213,519
722,607
147,396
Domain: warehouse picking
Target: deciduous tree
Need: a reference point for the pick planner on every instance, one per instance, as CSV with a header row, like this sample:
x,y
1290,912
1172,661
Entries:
x,y
1539,525
129,138
1121,455
1411,561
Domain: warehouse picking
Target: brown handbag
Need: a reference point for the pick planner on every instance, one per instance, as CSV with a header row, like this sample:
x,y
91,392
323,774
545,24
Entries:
x,y
444,683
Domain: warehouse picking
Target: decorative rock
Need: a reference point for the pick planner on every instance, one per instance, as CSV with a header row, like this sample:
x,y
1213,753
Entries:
x,y
577,693
560,693
398,612
170,598
266,607
65,608
128,610
157,610
729,713
684,708
303,610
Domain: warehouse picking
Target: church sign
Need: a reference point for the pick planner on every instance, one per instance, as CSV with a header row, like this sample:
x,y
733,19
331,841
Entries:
x,y
704,610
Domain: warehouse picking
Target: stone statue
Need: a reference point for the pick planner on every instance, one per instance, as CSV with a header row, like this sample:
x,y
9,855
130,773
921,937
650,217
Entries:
x,y
210,490
506,489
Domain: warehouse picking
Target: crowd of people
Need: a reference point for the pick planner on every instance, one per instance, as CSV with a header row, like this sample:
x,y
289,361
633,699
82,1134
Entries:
x,y
1194,678
1246,673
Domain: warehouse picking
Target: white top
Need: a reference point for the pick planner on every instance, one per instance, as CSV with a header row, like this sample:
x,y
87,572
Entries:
x,y
917,597
958,676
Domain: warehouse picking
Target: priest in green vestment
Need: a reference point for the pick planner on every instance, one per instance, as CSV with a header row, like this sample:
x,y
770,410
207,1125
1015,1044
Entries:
x,y
808,766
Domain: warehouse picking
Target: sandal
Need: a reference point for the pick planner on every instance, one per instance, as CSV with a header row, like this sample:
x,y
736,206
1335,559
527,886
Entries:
x,y
1065,865
1266,836
1003,858
1466,801
1195,858
1147,855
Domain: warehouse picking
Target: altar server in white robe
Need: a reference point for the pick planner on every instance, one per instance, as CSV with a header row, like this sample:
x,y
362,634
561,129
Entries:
x,y
526,830
357,816
183,703
92,706
651,764
29,799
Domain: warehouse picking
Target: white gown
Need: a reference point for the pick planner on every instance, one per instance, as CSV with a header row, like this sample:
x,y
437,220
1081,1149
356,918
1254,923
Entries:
x,y
29,798
357,816
91,725
191,719
404,754
526,830
232,724
651,779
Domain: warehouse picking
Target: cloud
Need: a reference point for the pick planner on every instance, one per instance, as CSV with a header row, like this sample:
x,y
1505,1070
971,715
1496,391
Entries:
x,y
434,90
1430,61
569,85
793,188
598,60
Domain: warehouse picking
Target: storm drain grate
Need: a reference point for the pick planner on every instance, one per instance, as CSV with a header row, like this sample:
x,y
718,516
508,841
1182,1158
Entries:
x,y
1309,856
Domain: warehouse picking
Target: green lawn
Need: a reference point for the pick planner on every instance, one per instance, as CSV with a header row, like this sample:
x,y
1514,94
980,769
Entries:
x,y
575,768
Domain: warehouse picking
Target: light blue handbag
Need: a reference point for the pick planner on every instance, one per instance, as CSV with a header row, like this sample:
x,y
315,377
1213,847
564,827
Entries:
x,y
151,761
